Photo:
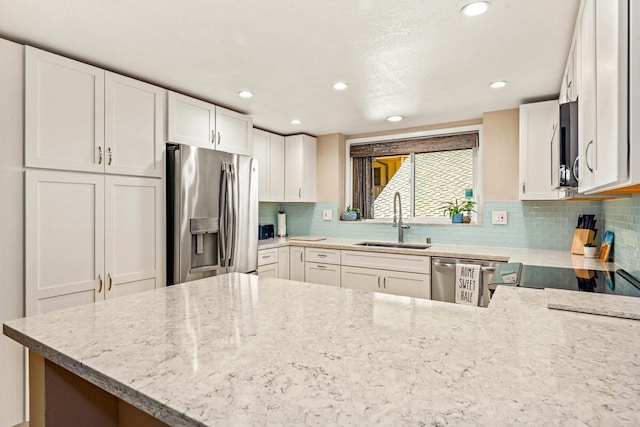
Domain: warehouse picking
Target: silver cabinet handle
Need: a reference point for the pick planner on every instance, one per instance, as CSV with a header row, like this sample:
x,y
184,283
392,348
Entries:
x,y
322,255
100,279
299,193
378,281
321,266
384,282
586,155
301,260
265,257
99,155
574,169
219,138
110,281
524,187
213,136
110,156
444,264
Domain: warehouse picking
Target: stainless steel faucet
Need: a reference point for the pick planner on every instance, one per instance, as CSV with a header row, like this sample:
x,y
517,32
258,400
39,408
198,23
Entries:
x,y
397,222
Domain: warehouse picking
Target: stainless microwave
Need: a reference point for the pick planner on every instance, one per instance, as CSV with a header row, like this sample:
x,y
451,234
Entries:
x,y
568,137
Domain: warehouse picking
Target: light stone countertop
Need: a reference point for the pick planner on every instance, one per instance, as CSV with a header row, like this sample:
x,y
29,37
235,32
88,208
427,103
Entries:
x,y
593,303
236,349
539,257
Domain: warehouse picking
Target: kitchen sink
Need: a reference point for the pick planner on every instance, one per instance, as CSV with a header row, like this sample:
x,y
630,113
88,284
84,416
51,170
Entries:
x,y
394,245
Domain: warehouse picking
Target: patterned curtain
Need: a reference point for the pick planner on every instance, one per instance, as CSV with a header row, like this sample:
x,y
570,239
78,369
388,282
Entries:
x,y
363,185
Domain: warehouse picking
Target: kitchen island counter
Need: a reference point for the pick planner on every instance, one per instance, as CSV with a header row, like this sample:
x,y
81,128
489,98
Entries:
x,y
236,349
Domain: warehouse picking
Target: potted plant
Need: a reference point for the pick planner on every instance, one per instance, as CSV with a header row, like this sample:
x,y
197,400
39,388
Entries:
x,y
589,250
454,211
468,208
351,214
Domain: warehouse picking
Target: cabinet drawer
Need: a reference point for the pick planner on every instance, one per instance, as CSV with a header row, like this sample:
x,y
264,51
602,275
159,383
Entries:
x,y
326,256
267,256
386,281
270,270
325,274
397,262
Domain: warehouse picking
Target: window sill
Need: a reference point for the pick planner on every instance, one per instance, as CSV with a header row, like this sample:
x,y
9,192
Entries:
x,y
415,222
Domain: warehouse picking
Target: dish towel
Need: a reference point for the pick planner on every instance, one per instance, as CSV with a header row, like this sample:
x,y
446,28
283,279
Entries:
x,y
468,283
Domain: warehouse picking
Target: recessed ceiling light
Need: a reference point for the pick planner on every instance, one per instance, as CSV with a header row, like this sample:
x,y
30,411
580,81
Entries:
x,y
475,8
498,84
395,118
295,122
245,94
340,86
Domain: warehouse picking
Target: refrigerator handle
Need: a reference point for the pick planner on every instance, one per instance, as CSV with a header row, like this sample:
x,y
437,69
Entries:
x,y
233,232
223,217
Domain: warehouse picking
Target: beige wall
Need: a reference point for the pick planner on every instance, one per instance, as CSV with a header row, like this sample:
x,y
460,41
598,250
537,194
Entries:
x,y
500,154
331,160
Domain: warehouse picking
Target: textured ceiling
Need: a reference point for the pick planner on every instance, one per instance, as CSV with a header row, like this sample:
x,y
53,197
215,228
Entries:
x,y
420,59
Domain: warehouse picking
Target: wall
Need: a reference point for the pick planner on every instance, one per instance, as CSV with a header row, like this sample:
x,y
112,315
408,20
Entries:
x,y
331,168
418,128
500,142
541,225
623,218
11,228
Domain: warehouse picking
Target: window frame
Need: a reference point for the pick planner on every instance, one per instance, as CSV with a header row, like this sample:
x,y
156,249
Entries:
x,y
477,170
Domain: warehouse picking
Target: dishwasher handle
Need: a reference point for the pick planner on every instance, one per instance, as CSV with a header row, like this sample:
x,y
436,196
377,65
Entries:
x,y
452,266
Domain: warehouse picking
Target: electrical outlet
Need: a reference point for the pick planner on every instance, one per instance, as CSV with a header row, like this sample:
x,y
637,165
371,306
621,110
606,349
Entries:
x,y
327,215
499,217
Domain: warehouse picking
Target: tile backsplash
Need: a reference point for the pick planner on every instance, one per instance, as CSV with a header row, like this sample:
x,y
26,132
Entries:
x,y
547,225
623,218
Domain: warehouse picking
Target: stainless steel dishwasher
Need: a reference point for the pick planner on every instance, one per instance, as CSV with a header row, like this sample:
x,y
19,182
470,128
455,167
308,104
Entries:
x,y
443,272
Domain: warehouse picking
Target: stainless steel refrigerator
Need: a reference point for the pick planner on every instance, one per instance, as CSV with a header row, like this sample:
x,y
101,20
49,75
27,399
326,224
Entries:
x,y
212,213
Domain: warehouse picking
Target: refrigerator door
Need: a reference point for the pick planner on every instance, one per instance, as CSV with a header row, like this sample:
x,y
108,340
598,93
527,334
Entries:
x,y
243,233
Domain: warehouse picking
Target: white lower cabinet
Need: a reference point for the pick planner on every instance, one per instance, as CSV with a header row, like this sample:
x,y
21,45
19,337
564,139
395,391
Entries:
x,y
378,272
283,262
268,263
324,274
89,237
296,263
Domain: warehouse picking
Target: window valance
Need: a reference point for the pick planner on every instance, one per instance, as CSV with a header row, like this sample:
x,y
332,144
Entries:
x,y
458,141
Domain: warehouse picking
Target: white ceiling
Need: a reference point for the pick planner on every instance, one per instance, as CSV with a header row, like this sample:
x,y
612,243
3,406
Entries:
x,y
418,58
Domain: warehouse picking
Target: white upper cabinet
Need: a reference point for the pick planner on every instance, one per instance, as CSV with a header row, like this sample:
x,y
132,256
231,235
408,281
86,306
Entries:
x,y
539,151
191,121
64,113
79,117
201,124
268,148
134,126
568,91
300,168
234,132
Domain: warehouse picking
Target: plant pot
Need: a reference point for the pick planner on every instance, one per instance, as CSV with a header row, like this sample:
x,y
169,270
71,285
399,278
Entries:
x,y
348,216
457,218
466,219
590,251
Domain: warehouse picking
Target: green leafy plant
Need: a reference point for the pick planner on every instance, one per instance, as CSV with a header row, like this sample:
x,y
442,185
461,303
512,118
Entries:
x,y
452,208
589,245
356,210
468,207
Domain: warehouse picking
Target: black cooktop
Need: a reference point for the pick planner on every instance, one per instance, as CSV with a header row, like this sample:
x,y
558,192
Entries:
x,y
531,276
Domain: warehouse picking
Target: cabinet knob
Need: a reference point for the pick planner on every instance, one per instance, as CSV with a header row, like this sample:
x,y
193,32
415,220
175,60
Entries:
x,y
100,279
110,156
99,155
378,280
110,281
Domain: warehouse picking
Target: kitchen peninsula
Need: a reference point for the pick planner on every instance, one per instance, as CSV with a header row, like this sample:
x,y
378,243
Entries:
x,y
235,349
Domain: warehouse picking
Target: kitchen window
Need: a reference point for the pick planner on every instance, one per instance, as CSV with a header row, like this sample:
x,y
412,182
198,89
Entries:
x,y
427,171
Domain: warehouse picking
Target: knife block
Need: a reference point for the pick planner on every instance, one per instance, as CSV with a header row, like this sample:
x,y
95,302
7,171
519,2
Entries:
x,y
580,237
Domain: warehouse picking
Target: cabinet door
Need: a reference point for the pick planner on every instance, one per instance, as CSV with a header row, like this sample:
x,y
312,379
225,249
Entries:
x,y
267,256
293,168
234,132
133,235
64,239
407,284
276,167
134,126
610,151
309,172
587,98
296,263
191,121
539,151
269,270
323,274
261,153
283,262
64,113
364,279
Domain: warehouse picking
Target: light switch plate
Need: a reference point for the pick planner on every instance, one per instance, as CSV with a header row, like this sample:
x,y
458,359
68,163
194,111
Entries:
x,y
327,215
499,217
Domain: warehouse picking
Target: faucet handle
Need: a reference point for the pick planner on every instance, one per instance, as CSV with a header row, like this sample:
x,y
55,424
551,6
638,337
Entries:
x,y
405,226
